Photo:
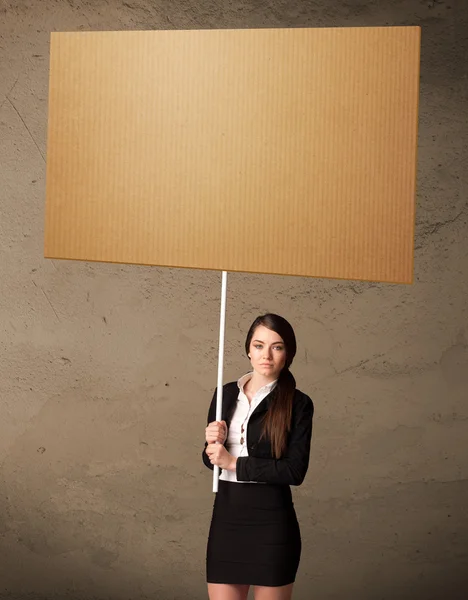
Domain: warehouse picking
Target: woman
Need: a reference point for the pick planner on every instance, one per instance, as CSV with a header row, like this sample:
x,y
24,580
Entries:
x,y
262,447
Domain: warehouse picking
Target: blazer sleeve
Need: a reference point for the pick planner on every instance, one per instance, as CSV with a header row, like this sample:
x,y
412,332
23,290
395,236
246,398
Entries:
x,y
211,418
292,467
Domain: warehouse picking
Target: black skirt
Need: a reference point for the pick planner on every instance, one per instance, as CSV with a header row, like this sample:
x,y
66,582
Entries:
x,y
254,536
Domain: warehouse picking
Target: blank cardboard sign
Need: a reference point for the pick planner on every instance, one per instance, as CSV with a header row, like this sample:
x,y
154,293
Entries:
x,y
283,151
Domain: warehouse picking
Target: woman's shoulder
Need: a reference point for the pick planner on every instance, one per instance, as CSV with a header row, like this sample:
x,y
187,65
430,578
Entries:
x,y
230,385
301,399
231,388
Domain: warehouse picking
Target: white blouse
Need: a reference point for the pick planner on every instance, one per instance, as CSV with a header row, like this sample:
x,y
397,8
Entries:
x,y
236,443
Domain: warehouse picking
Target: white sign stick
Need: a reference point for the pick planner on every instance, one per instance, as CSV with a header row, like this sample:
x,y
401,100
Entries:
x,y
219,396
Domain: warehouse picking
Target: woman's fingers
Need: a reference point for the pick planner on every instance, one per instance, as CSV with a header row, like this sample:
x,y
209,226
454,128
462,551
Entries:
x,y
218,455
211,438
224,429
216,432
211,450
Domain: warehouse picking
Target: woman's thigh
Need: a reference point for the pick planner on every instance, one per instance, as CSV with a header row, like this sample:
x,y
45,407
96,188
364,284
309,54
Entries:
x,y
283,592
227,591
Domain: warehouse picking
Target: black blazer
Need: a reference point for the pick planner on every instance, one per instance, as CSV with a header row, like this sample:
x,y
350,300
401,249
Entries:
x,y
260,465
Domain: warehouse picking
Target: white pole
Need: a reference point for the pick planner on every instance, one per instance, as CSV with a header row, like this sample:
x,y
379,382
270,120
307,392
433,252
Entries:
x,y
219,395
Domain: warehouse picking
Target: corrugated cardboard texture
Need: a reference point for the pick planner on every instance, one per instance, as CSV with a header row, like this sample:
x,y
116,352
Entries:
x,y
286,151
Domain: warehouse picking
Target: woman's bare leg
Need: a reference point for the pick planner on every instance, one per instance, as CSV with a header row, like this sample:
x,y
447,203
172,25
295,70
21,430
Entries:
x,y
283,592
227,591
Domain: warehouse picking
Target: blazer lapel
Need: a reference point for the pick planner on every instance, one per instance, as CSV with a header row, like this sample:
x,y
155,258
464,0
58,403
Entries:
x,y
230,396
265,403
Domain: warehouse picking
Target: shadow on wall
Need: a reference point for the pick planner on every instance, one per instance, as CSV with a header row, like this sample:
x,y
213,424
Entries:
x,y
409,544
453,587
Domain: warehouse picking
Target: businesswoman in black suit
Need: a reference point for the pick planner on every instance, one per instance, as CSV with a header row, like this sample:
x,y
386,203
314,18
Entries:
x,y
262,447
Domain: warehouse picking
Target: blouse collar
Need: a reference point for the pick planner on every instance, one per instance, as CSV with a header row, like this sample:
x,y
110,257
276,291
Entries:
x,y
245,378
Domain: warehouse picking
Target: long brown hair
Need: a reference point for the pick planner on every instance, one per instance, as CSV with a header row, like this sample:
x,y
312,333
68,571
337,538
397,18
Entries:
x,y
277,420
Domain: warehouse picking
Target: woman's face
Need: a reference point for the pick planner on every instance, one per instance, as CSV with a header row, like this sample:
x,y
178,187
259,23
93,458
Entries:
x,y
267,353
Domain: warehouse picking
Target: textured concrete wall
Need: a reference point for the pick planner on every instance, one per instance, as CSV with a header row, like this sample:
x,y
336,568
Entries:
x,y
106,371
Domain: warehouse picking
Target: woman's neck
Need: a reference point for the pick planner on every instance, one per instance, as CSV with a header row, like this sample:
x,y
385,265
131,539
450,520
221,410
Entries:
x,y
257,381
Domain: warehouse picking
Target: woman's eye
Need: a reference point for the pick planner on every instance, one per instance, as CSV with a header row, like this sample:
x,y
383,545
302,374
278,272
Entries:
x,y
277,347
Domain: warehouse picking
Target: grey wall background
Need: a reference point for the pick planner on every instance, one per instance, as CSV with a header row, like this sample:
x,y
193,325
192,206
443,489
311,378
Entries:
x,y
106,371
